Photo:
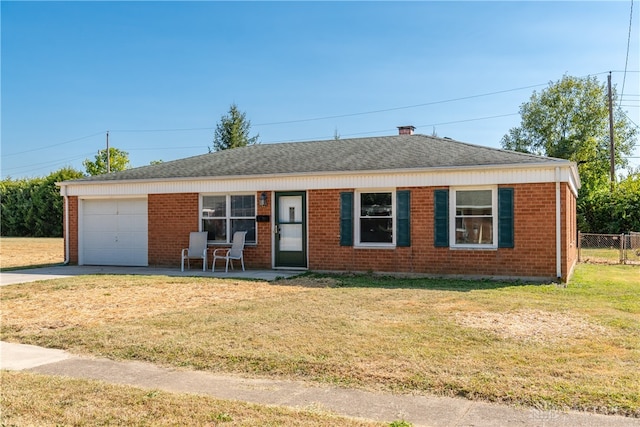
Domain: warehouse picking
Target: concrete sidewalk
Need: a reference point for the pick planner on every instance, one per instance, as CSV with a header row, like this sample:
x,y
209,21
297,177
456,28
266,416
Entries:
x,y
13,277
385,407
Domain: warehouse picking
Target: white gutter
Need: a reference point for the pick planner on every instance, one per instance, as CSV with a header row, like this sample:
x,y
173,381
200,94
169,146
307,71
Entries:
x,y
63,193
542,165
558,227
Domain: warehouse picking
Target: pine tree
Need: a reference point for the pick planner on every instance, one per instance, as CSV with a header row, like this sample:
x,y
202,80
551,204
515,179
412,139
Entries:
x,y
233,131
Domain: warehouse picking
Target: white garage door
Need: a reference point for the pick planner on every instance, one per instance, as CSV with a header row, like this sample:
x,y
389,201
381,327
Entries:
x,y
114,232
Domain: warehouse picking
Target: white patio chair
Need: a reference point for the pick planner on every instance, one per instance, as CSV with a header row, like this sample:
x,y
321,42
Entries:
x,y
235,252
197,249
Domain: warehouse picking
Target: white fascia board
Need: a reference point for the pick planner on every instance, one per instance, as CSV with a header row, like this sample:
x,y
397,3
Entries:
x,y
458,176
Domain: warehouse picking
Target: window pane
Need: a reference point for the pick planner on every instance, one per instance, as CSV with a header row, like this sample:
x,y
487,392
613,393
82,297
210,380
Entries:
x,y
376,230
243,206
214,206
474,230
473,198
375,204
473,211
248,225
217,229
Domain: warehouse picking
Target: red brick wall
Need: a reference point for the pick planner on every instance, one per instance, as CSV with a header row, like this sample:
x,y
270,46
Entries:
x,y
73,229
532,256
173,216
569,231
259,256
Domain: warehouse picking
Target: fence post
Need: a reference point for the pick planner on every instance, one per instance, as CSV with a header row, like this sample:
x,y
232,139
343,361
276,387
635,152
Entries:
x,y
579,246
622,249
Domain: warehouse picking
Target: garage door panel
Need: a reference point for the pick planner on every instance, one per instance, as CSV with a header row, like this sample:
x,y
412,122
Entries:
x,y
132,207
131,223
100,207
100,223
115,232
132,240
133,256
101,239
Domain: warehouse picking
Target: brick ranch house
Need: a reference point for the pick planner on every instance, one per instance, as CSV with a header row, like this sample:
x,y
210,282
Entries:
x,y
406,203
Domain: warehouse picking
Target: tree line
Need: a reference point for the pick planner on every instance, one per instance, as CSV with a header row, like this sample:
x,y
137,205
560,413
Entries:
x,y
568,119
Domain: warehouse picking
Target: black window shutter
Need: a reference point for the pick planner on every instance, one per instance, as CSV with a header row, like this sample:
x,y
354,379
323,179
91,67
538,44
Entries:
x,y
403,220
505,218
346,219
441,218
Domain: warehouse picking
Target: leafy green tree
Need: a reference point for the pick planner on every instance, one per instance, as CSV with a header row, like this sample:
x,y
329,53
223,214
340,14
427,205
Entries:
x,y
570,120
48,205
612,212
118,159
233,131
33,207
15,205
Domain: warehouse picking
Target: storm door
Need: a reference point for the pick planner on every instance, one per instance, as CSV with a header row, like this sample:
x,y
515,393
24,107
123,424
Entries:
x,y
290,230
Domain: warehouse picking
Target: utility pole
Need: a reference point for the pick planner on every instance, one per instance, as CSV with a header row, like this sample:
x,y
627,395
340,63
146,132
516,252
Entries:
x,y
108,155
612,152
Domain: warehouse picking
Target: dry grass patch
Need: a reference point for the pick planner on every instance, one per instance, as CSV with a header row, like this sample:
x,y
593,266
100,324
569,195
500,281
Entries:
x,y
574,347
89,301
533,325
41,400
26,252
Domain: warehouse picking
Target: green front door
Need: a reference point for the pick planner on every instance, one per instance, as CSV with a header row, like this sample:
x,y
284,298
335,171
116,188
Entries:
x,y
291,230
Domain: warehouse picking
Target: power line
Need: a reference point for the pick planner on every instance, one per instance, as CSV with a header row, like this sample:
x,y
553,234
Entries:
x,y
626,61
620,110
161,130
165,148
326,117
464,98
54,145
393,129
361,113
471,120
47,164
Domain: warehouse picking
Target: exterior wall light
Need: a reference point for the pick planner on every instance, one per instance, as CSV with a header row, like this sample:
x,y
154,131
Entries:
x,y
263,199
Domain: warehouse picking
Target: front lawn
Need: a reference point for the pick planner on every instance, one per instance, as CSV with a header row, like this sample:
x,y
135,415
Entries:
x,y
548,346
29,399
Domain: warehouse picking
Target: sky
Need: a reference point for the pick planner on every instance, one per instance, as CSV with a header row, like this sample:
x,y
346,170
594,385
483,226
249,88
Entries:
x,y
158,76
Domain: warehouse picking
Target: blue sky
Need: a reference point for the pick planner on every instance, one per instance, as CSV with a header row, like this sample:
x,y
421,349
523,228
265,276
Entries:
x,y
159,75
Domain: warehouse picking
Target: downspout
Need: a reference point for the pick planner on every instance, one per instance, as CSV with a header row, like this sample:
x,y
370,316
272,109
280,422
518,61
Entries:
x,y
558,228
66,225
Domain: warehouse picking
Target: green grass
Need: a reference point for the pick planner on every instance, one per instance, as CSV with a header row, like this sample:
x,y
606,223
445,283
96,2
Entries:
x,y
550,345
609,255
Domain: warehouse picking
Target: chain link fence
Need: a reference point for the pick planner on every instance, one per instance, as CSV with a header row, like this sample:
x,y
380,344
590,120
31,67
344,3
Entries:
x,y
609,248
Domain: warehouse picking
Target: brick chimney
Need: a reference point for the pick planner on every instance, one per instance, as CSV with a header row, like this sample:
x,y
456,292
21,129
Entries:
x,y
406,130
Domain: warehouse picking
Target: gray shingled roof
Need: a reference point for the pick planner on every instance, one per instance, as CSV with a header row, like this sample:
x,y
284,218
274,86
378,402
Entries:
x,y
343,155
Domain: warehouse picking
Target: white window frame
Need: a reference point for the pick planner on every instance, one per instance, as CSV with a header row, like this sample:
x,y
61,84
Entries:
x,y
357,217
228,218
494,217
